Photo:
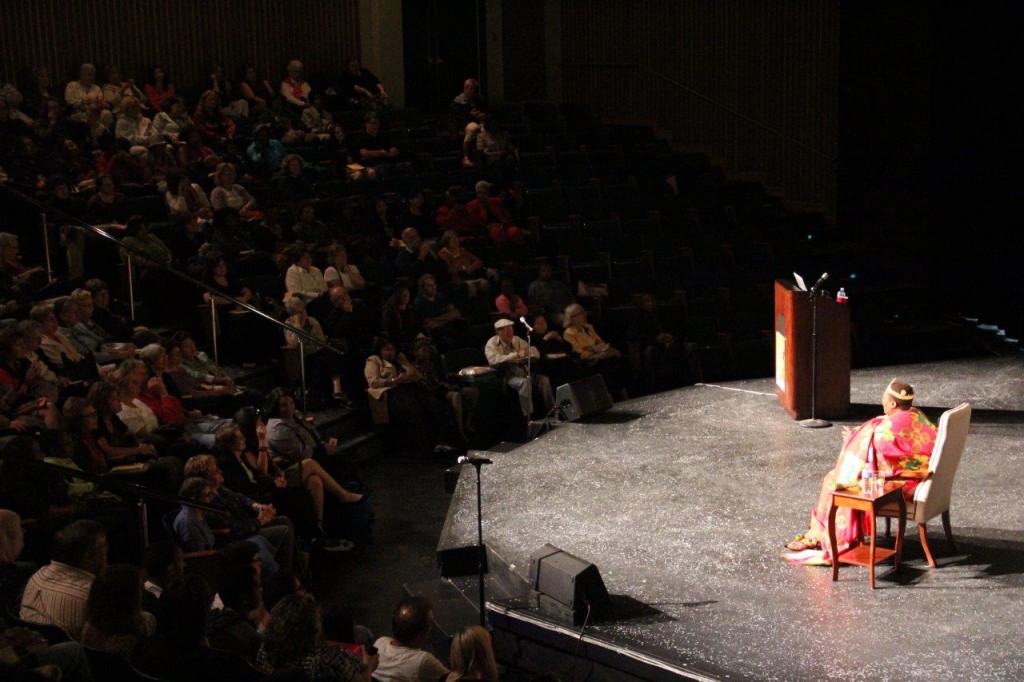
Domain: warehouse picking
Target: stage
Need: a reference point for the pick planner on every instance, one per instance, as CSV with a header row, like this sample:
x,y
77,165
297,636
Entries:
x,y
684,500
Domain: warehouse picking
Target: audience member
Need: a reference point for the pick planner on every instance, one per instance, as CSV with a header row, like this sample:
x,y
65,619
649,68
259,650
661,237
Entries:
x,y
509,354
293,642
550,295
114,619
57,593
402,658
472,655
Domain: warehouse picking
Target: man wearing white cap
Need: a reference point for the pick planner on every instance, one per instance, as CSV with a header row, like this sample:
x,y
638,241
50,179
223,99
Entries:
x,y
509,354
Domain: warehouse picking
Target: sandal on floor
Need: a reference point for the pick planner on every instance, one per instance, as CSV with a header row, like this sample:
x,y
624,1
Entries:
x,y
802,542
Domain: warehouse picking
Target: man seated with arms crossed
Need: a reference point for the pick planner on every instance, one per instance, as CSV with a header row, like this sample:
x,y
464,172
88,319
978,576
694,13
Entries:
x,y
509,354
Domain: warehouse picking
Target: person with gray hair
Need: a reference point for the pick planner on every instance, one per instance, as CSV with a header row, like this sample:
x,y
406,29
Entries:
x,y
57,593
86,99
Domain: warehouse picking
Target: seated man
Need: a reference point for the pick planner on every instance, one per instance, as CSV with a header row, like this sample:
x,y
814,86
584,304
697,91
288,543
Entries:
x,y
509,354
442,321
464,115
549,294
56,593
416,257
402,658
895,445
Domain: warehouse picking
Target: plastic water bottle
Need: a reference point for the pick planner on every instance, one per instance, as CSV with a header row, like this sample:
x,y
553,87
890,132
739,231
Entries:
x,y
841,295
867,477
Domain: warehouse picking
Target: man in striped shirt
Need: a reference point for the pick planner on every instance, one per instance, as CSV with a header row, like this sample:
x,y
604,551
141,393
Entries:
x,y
56,593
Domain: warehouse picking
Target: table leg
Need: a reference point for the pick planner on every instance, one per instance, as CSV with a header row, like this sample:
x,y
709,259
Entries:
x,y
900,529
832,544
870,514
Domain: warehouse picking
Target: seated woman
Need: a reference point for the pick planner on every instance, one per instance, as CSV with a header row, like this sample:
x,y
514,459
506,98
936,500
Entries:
x,y
173,120
360,88
58,352
24,390
398,319
137,129
28,280
465,270
85,99
194,157
232,103
509,302
556,355
107,204
594,352
159,87
340,271
290,437
291,488
315,233
897,444
472,656
265,153
255,89
303,280
112,323
293,643
229,194
210,121
102,442
193,526
209,398
185,199
114,619
411,408
292,183
321,364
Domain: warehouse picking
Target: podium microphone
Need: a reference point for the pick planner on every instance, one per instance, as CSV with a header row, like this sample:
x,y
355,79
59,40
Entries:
x,y
526,324
817,285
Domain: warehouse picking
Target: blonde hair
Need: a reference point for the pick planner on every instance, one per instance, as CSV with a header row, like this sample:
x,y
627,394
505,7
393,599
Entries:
x,y
11,537
571,310
200,465
472,655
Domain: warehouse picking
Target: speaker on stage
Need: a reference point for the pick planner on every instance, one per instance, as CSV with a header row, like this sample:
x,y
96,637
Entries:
x,y
583,398
567,586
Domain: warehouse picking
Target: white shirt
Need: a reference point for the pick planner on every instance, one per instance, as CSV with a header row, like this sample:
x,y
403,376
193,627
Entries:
x,y
137,416
56,595
306,284
499,352
403,664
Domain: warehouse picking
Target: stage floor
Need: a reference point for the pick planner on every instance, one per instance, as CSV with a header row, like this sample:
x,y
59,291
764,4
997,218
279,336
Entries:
x,y
684,501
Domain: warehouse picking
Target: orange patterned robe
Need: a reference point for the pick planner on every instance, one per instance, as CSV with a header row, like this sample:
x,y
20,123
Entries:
x,y
903,442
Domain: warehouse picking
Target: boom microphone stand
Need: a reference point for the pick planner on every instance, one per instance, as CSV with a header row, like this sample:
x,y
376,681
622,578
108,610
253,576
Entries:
x,y
814,422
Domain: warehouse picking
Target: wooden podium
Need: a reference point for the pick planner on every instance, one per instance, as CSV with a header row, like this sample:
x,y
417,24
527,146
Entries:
x,y
793,353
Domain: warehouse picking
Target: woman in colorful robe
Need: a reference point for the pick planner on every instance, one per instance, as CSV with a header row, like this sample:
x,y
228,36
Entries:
x,y
896,445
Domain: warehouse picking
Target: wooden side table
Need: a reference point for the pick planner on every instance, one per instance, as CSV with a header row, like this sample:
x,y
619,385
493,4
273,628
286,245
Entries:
x,y
859,554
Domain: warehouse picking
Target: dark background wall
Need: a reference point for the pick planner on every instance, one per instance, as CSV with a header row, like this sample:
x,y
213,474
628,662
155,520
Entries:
x,y
930,142
186,36
753,84
444,45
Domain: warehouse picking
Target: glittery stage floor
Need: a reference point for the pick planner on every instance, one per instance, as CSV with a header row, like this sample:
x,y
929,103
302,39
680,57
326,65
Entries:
x,y
684,500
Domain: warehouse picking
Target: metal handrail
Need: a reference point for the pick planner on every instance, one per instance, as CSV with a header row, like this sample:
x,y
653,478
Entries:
x,y
87,228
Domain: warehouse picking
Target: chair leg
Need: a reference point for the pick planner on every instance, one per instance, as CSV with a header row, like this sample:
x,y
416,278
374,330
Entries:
x,y
949,531
888,527
922,533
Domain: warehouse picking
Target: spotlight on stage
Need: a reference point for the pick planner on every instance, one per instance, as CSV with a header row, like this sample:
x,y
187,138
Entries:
x,y
567,587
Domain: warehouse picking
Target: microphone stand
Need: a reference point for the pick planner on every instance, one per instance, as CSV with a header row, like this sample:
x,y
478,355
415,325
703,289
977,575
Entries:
x,y
814,422
481,555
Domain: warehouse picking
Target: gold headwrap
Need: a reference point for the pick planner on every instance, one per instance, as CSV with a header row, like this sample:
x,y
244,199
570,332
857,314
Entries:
x,y
902,395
